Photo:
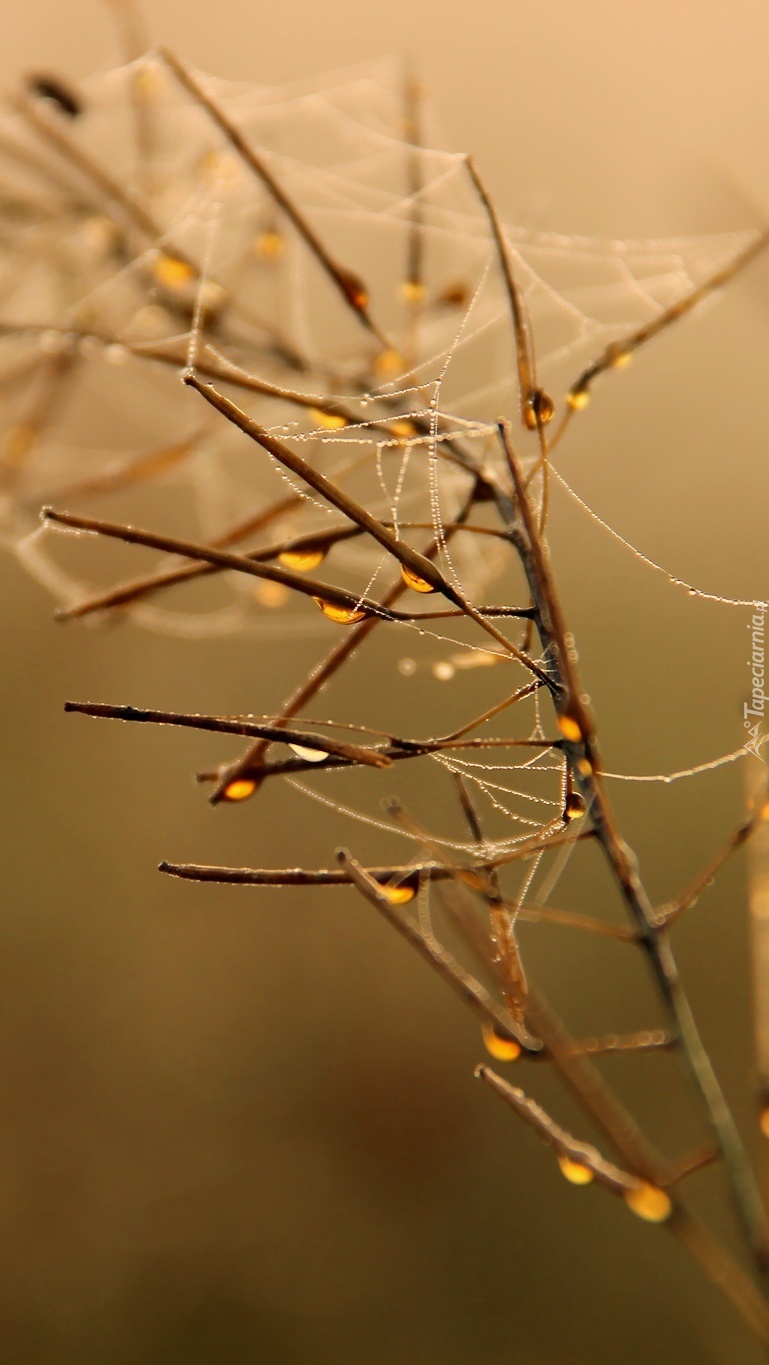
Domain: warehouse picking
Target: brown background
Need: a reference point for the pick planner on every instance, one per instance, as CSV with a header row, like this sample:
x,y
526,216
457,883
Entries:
x,y
243,1128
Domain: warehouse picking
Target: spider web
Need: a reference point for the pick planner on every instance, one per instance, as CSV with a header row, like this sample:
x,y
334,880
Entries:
x,y
124,266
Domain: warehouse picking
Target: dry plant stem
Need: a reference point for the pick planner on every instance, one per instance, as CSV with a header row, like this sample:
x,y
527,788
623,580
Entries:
x,y
132,589
575,1070
758,907
668,913
350,288
718,1266
346,754
353,753
223,559
293,876
471,991
606,1173
582,755
408,558
617,351
520,328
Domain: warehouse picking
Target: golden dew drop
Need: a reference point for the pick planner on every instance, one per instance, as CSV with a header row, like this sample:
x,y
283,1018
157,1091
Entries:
x,y
302,561
269,246
342,616
173,274
330,421
404,429
574,807
502,1047
413,580
577,399
574,1171
400,894
649,1202
411,291
239,789
570,728
539,409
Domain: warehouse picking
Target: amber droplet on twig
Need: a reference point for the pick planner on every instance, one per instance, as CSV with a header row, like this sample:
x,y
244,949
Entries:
x,y
399,894
412,291
574,1171
388,363
269,246
354,289
764,1121
332,421
172,274
574,807
239,789
570,728
403,429
302,561
649,1202
621,359
413,580
454,295
538,410
343,616
578,398
501,1046
270,594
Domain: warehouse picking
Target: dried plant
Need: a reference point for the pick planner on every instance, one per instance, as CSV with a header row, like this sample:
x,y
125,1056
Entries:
x,y
364,431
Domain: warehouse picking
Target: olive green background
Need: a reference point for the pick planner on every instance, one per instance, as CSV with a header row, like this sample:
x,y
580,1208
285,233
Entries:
x,y
240,1126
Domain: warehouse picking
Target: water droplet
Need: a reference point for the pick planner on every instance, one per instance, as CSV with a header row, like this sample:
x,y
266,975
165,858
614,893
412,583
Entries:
x,y
269,246
239,789
388,363
51,343
270,594
172,273
399,894
88,347
302,561
412,291
570,728
354,289
501,1046
621,359
574,1171
539,409
115,354
407,667
405,430
413,580
577,399
649,1202
309,755
574,808
343,616
332,421
443,671
454,295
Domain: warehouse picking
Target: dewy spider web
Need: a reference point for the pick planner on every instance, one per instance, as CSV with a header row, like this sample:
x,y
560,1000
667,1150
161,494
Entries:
x,y
346,298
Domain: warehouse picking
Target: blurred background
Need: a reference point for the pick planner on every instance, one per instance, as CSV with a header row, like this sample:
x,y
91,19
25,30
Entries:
x,y
239,1125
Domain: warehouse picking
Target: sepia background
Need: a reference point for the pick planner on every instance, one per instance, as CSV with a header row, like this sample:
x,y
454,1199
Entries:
x,y
241,1126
